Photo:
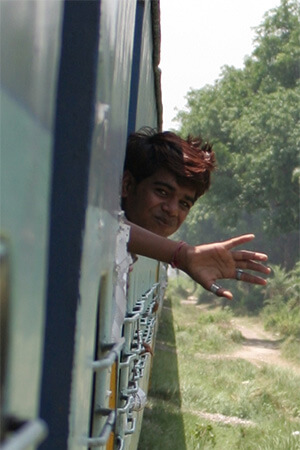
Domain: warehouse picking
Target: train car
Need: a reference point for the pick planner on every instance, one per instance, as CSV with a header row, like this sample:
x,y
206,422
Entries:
x,y
78,317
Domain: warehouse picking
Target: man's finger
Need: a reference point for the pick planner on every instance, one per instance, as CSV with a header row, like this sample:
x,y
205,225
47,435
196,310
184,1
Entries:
x,y
234,242
253,279
224,293
252,265
219,291
240,255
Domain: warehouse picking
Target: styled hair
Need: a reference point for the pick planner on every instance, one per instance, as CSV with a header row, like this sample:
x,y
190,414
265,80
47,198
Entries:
x,y
191,160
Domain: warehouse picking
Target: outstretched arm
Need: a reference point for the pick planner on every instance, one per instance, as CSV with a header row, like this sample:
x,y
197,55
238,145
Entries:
x,y
203,263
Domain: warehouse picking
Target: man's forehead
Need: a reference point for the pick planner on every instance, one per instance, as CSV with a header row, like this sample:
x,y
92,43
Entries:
x,y
164,175
166,178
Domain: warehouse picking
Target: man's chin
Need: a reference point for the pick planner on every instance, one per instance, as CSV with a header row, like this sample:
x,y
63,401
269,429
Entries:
x,y
163,230
158,227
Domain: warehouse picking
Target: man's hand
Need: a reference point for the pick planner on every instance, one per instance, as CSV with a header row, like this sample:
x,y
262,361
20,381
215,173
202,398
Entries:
x,y
211,262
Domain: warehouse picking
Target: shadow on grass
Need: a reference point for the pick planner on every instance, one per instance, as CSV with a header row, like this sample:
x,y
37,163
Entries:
x,y
264,343
163,427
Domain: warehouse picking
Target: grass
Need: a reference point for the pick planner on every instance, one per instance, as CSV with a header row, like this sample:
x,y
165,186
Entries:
x,y
190,378
291,349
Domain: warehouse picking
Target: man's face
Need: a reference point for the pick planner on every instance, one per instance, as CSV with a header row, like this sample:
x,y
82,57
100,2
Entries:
x,y
158,203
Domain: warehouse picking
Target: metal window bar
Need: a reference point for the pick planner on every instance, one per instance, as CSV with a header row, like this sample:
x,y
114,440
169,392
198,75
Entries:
x,y
109,360
29,433
106,430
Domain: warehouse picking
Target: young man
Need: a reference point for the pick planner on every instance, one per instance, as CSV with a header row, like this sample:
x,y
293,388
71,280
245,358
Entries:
x,y
163,176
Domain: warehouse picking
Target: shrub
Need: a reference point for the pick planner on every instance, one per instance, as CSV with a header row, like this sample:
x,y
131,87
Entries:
x,y
282,303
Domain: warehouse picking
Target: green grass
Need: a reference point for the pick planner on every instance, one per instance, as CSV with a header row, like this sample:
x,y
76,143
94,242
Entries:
x,y
190,377
291,349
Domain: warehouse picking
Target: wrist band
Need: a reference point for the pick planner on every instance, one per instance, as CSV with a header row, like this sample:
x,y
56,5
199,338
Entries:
x,y
175,263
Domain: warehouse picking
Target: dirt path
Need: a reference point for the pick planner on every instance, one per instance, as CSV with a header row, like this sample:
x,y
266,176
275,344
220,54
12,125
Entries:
x,y
259,346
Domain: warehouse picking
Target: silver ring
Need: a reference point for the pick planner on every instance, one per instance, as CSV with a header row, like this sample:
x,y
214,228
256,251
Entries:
x,y
239,273
214,288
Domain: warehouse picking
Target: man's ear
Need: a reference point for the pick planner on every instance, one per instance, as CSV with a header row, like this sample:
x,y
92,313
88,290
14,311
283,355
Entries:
x,y
128,183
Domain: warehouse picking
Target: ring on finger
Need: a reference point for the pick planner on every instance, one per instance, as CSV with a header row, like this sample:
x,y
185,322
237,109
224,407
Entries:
x,y
214,288
238,274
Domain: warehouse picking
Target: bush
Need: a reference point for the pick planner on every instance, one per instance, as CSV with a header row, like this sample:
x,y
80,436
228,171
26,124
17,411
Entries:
x,y
281,312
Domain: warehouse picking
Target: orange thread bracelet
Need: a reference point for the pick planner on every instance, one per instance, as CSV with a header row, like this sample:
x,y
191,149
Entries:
x,y
175,263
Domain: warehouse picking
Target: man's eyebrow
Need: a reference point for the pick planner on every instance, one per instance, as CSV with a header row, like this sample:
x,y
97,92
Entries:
x,y
173,188
165,184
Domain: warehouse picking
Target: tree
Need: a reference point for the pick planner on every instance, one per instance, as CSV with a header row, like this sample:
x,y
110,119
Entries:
x,y
252,117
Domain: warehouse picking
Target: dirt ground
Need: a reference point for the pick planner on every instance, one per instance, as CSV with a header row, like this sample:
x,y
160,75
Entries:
x,y
259,346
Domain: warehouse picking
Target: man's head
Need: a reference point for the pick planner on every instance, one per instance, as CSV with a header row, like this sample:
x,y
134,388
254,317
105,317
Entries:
x,y
163,176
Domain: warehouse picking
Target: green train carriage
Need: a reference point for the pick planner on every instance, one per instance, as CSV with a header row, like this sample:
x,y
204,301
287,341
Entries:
x,y
76,78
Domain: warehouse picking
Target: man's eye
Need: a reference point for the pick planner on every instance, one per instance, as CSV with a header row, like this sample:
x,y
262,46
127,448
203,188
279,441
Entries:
x,y
185,205
161,192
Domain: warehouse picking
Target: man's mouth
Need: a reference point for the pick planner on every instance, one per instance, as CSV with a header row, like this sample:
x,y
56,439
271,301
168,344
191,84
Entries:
x,y
165,221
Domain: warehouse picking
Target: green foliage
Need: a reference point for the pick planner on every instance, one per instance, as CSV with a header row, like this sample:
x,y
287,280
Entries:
x,y
252,117
282,310
221,316
277,53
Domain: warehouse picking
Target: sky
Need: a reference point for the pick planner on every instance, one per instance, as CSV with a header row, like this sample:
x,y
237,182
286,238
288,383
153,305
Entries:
x,y
199,37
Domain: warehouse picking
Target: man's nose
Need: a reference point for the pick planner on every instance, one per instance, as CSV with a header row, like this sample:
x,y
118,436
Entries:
x,y
170,207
